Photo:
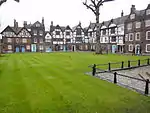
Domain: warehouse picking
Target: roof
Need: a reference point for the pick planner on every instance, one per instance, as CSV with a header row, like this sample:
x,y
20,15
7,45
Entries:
x,y
17,30
52,28
75,27
37,22
120,20
140,13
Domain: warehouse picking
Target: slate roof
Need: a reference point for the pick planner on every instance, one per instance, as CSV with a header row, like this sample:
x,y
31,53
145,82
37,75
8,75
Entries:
x,y
120,20
17,30
75,27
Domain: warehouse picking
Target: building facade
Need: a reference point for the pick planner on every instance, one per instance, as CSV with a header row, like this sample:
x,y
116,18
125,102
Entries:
x,y
137,31
125,34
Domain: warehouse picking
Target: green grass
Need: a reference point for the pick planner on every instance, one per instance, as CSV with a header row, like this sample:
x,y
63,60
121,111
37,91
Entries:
x,y
56,83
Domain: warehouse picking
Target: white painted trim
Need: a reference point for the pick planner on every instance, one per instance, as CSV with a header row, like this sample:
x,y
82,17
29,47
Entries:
x,y
139,36
146,47
132,36
147,35
129,47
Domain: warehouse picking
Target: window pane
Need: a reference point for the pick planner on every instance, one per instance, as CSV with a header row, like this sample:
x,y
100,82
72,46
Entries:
x,y
57,32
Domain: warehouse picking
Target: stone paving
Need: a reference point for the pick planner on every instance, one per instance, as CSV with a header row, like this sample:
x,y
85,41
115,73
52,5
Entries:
x,y
142,73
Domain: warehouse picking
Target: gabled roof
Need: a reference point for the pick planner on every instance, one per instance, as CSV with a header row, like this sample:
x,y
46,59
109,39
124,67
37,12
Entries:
x,y
140,13
148,7
22,29
75,27
17,30
68,28
119,20
8,28
46,32
37,22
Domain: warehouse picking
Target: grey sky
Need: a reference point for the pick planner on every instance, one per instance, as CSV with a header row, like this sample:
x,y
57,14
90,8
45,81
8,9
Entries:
x,y
62,12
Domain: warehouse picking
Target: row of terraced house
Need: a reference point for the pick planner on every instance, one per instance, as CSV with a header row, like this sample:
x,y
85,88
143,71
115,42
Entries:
x,y
125,34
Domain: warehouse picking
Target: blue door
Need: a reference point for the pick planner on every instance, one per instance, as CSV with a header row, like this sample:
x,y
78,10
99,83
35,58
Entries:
x,y
48,50
23,49
114,48
33,48
17,49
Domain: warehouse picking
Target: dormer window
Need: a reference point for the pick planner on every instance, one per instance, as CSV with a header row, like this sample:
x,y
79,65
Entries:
x,y
132,16
57,32
148,12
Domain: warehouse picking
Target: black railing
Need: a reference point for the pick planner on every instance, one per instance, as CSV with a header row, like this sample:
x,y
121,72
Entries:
x,y
137,63
120,65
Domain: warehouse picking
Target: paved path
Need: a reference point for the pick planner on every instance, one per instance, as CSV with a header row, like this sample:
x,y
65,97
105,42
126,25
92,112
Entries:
x,y
132,84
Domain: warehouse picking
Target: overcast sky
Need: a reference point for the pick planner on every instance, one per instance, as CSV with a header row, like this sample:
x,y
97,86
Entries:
x,y
62,12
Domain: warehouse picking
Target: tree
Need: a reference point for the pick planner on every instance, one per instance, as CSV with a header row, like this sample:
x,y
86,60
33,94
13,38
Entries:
x,y
94,6
3,1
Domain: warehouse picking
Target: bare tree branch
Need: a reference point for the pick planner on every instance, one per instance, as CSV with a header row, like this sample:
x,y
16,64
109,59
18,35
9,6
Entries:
x,y
89,7
2,1
94,3
100,2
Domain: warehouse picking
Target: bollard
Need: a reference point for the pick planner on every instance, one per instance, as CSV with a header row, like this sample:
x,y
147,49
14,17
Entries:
x,y
115,78
109,67
129,64
148,61
122,65
94,70
139,62
147,87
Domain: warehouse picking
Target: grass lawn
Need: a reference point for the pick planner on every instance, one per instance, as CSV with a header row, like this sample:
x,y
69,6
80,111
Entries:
x,y
56,83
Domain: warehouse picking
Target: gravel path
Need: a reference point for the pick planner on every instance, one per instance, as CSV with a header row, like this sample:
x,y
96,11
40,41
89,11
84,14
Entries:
x,y
133,84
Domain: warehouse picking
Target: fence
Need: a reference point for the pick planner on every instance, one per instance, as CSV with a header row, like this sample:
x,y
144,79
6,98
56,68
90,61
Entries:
x,y
137,83
100,68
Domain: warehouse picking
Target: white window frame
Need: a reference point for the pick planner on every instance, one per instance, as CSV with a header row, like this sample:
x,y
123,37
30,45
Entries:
x,y
35,41
147,23
132,16
129,26
34,32
41,33
28,47
146,47
126,37
132,36
138,25
147,35
41,47
9,40
9,47
139,36
129,49
24,40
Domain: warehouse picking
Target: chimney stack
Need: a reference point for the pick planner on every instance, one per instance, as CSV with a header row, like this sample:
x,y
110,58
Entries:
x,y
122,13
25,23
15,24
133,9
51,23
43,20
